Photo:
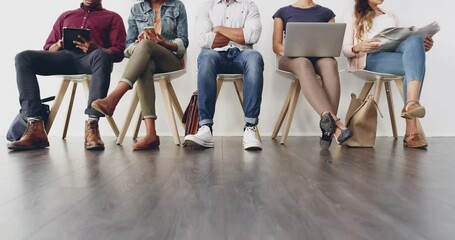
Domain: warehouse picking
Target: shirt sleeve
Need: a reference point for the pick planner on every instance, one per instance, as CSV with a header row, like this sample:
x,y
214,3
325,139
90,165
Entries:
x,y
117,38
182,32
278,14
329,15
253,27
133,31
55,34
204,26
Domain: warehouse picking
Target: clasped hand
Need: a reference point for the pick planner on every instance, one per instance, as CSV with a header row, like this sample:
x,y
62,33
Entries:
x,y
152,36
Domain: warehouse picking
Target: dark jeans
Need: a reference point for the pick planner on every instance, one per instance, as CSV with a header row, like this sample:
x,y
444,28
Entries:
x,y
31,63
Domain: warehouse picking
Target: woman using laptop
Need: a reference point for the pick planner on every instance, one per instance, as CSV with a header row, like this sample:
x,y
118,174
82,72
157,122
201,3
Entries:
x,y
156,42
324,94
408,59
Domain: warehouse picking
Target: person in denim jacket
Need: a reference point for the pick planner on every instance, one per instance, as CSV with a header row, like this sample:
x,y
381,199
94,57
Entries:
x,y
156,41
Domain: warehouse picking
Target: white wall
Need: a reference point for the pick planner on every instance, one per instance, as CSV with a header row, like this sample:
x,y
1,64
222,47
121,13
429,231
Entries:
x,y
26,25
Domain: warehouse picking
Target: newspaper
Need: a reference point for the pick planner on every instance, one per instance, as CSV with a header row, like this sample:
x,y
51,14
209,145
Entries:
x,y
390,38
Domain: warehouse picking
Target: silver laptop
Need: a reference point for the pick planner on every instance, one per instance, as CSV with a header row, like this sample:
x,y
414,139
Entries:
x,y
304,39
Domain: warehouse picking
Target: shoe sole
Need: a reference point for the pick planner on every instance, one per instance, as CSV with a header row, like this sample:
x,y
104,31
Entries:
x,y
328,127
97,108
422,146
195,144
23,148
253,147
95,148
416,113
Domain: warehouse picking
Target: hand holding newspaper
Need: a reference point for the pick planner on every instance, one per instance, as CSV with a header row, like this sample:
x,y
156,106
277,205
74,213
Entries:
x,y
390,38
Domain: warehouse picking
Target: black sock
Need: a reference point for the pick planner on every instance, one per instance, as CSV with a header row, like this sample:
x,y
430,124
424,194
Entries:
x,y
248,125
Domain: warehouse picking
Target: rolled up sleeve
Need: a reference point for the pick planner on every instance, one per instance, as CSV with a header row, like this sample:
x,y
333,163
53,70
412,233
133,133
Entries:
x,y
182,32
204,26
253,27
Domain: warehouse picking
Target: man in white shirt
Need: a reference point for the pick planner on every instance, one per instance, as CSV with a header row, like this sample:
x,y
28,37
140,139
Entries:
x,y
227,30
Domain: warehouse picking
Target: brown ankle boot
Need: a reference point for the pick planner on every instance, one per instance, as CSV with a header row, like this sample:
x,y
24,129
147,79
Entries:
x,y
34,137
92,136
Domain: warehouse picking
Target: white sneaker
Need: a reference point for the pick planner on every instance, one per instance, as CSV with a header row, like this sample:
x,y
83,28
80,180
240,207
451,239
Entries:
x,y
250,142
202,138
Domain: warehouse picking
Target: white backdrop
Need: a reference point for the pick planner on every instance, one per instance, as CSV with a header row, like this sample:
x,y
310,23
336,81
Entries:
x,y
26,25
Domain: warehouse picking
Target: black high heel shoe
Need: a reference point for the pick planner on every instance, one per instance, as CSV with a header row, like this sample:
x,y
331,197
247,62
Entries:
x,y
328,127
345,134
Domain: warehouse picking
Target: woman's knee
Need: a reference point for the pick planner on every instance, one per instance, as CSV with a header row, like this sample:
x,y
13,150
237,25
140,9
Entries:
x,y
415,41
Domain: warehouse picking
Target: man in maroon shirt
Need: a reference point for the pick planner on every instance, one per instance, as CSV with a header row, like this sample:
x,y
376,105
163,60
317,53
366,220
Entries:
x,y
95,57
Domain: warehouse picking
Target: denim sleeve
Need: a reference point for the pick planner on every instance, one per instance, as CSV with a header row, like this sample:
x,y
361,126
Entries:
x,y
253,27
133,31
204,26
182,32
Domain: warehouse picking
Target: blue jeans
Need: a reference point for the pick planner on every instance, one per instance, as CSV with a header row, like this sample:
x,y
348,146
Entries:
x,y
247,62
408,60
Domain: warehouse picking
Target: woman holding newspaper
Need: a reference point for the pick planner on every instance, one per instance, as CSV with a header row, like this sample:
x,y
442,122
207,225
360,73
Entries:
x,y
364,50
323,94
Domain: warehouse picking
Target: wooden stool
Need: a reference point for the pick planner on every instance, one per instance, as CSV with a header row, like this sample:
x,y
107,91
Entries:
x,y
75,79
237,80
383,79
171,103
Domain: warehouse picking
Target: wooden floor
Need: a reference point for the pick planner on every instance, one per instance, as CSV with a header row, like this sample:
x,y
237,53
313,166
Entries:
x,y
295,191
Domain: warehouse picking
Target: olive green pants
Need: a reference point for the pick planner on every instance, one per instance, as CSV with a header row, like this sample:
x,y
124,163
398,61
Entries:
x,y
148,58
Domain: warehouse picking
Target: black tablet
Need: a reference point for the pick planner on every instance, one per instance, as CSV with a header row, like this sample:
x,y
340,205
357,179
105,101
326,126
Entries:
x,y
71,34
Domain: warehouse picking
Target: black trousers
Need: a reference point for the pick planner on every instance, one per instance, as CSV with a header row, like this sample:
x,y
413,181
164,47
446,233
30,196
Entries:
x,y
31,63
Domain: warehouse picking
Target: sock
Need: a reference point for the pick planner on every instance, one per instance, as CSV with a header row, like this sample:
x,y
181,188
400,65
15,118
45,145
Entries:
x,y
93,118
33,118
248,125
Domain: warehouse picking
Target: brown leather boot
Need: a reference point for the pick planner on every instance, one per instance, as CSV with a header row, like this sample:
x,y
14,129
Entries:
x,y
92,136
34,137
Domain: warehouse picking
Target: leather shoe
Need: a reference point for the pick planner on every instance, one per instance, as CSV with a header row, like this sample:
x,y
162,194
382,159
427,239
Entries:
x,y
102,106
413,109
414,140
34,137
92,136
328,127
147,144
344,135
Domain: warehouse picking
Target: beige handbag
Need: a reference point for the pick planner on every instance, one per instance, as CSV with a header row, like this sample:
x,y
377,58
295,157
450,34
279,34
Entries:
x,y
362,119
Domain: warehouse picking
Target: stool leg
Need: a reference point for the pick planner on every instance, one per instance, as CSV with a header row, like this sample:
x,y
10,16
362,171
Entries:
x,y
391,111
138,125
219,84
284,110
377,92
128,118
70,109
57,102
175,101
291,110
170,111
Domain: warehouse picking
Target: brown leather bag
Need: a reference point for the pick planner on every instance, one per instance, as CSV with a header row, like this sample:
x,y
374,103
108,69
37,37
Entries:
x,y
190,116
362,120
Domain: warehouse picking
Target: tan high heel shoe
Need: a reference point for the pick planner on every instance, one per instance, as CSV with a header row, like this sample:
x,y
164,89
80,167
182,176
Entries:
x,y
413,109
